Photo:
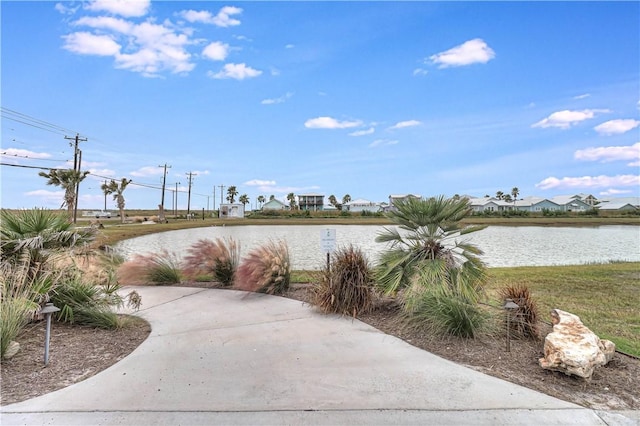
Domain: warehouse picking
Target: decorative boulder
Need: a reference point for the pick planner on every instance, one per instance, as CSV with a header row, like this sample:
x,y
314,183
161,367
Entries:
x,y
572,348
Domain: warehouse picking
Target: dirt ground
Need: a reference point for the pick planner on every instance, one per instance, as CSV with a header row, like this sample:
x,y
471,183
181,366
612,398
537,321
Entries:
x,y
77,353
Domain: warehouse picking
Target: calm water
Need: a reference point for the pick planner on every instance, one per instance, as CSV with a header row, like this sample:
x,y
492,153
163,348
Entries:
x,y
502,245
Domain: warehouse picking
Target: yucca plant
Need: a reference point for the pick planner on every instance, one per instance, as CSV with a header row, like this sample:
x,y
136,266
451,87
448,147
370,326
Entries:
x,y
524,321
265,269
347,285
219,257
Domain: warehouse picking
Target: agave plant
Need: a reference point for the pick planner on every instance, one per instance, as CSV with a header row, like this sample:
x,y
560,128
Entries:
x,y
219,257
426,247
265,269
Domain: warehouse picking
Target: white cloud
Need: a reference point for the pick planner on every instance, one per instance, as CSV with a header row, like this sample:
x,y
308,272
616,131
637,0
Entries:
x,y
470,52
601,181
420,71
330,123
566,118
382,142
583,96
106,22
363,132
65,9
279,100
222,19
615,127
258,182
216,51
128,8
16,152
290,46
90,44
404,124
614,192
235,71
607,154
47,197
147,171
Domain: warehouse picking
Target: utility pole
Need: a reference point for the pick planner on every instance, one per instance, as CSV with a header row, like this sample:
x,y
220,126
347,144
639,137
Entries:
x,y
164,181
190,174
75,204
175,209
105,197
222,187
214,198
76,168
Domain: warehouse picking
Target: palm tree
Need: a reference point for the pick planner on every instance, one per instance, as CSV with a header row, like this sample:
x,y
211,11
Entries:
x,y
346,199
117,189
39,233
231,194
499,195
291,197
272,197
261,200
333,200
425,252
244,199
514,194
67,179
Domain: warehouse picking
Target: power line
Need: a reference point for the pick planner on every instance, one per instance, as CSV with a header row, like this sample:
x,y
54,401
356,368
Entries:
x,y
29,158
19,117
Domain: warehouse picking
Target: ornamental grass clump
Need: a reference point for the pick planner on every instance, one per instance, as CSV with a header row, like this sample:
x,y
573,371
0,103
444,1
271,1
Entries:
x,y
157,268
265,269
347,285
219,258
524,321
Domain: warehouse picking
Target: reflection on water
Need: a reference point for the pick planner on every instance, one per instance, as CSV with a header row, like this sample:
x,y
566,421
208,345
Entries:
x,y
502,245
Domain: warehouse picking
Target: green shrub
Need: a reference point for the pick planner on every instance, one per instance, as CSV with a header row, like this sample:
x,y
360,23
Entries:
x,y
219,257
524,321
445,313
265,269
347,285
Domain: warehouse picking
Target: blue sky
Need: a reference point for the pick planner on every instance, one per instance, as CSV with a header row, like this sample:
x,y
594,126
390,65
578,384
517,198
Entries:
x,y
360,98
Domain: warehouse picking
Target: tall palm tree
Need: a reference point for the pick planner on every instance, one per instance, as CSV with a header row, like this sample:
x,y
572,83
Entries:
x,y
261,200
244,199
346,199
425,251
67,179
333,200
117,189
291,197
231,194
514,194
499,195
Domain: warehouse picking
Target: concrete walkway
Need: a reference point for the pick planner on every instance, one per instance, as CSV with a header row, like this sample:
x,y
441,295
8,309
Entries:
x,y
227,357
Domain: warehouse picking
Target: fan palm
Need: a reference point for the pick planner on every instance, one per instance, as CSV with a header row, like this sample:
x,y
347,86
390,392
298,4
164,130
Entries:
x,y
117,190
425,252
67,179
40,232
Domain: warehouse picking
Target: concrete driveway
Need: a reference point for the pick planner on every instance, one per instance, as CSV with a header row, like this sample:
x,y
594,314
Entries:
x,y
228,357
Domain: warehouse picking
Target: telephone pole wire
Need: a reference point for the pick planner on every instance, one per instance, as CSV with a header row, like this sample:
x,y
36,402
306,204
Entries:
x,y
222,187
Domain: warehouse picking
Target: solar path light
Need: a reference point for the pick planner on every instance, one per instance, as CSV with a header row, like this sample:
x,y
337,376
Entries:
x,y
509,306
47,311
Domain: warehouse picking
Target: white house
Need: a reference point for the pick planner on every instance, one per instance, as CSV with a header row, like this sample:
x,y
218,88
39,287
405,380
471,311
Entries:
x,y
275,204
361,205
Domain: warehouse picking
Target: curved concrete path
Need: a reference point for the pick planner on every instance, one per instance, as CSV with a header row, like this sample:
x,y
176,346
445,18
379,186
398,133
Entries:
x,y
227,357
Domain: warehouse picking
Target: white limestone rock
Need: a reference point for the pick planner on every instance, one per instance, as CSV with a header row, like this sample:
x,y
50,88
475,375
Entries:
x,y
572,348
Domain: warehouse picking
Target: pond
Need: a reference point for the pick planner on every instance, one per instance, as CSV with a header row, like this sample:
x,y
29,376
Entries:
x,y
502,245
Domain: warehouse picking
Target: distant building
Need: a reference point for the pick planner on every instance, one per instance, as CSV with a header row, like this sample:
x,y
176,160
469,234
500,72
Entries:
x,y
395,198
361,205
275,205
311,202
231,211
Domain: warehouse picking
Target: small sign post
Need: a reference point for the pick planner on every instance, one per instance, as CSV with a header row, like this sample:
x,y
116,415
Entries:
x,y
328,244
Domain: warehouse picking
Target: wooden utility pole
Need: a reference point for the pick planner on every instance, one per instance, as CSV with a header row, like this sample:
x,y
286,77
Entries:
x,y
76,168
164,181
190,174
